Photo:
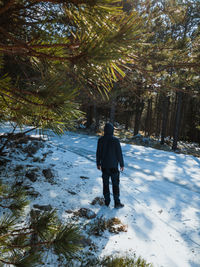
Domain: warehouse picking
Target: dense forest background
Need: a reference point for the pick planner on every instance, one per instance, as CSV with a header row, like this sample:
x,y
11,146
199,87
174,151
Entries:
x,y
154,114
162,99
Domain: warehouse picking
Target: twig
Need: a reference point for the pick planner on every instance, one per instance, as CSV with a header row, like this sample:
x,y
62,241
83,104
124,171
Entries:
x,y
7,262
12,234
32,245
5,207
30,130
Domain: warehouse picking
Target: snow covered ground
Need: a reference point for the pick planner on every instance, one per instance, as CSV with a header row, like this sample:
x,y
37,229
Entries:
x,y
160,190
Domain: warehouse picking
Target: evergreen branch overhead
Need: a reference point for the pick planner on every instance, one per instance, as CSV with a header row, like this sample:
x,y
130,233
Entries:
x,y
89,43
79,37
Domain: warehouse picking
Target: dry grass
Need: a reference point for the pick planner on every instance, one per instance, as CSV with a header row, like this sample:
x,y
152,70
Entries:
x,y
113,225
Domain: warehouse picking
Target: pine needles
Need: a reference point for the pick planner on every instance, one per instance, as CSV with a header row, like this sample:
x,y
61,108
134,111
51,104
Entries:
x,y
24,242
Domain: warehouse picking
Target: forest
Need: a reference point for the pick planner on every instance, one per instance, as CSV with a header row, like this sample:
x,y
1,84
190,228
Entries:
x,y
66,62
142,67
161,98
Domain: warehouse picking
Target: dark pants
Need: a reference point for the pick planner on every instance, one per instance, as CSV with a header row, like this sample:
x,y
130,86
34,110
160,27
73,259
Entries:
x,y
114,174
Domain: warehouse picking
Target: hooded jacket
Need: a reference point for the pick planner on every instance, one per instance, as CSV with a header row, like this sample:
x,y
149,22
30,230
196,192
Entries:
x,y
109,153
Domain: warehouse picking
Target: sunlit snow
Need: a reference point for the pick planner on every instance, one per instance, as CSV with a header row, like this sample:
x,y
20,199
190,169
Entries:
x,y
160,190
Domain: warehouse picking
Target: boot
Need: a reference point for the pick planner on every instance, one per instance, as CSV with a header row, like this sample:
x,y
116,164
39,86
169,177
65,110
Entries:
x,y
107,203
119,206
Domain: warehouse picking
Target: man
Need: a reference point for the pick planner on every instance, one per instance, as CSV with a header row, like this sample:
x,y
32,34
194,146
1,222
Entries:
x,y
108,156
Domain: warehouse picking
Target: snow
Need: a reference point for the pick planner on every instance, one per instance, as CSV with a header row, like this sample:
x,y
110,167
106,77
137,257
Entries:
x,y
160,190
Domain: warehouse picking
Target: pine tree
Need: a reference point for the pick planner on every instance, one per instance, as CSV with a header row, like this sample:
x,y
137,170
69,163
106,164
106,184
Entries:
x,y
25,244
51,49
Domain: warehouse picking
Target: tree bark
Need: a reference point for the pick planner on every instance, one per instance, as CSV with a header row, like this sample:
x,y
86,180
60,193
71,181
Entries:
x,y
127,120
166,103
158,111
138,115
96,117
89,116
112,111
177,120
171,116
148,120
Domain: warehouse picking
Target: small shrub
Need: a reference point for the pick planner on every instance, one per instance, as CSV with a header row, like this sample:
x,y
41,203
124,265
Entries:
x,y
113,225
112,261
98,226
124,262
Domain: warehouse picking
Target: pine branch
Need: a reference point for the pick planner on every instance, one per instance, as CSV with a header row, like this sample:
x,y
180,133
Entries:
x,y
75,2
25,92
72,59
17,234
7,222
21,260
5,101
180,65
7,140
40,46
16,97
7,262
38,244
67,240
10,137
44,232
5,207
11,37
13,98
30,130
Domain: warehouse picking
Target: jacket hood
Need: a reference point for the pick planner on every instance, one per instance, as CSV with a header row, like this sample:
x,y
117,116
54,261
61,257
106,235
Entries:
x,y
108,129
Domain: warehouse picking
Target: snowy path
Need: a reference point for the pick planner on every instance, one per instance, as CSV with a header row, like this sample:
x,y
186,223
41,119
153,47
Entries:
x,y
161,192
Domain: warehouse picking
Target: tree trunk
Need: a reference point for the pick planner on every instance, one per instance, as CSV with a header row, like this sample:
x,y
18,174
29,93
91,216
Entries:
x,y
177,120
89,116
185,112
193,120
112,111
158,111
96,117
166,103
127,120
148,120
138,115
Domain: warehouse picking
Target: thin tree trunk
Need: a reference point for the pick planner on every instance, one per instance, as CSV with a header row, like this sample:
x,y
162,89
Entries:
x,y
193,119
184,115
177,120
158,115
96,117
172,117
148,118
127,120
166,103
138,115
89,116
112,111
